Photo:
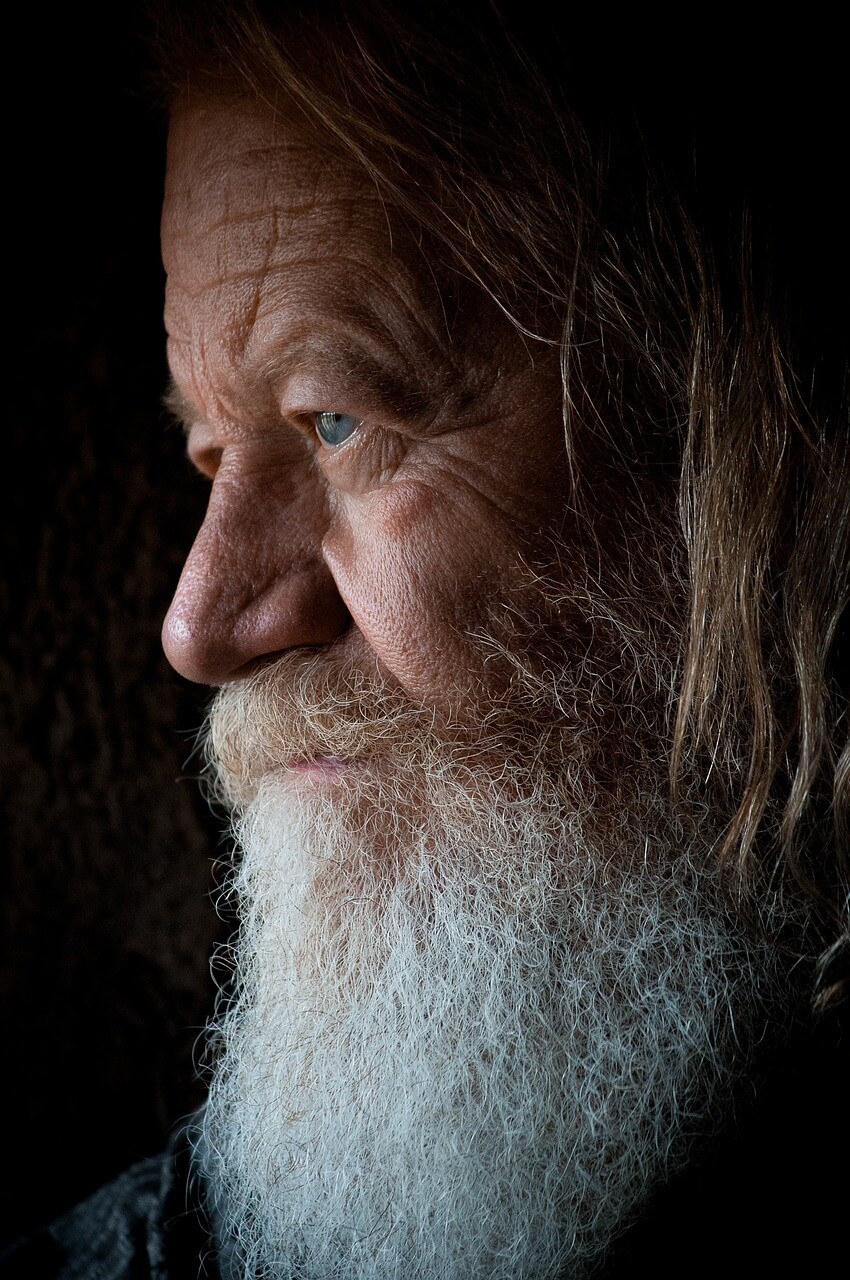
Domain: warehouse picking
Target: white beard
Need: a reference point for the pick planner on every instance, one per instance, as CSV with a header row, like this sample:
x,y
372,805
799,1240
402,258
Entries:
x,y
469,1032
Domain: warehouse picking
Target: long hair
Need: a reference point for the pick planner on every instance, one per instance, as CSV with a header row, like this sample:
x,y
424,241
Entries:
x,y
479,129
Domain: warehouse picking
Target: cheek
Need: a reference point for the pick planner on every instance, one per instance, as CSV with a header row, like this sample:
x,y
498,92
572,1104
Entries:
x,y
419,571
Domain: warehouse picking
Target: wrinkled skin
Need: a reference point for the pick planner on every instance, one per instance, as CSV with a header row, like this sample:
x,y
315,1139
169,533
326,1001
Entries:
x,y
293,290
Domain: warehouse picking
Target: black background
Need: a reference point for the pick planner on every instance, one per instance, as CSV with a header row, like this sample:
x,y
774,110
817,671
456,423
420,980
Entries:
x,y
107,920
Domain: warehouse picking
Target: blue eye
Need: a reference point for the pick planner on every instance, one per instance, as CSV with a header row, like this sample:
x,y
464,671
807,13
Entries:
x,y
335,428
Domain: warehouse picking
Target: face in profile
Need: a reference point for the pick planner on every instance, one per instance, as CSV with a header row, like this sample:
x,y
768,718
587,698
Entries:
x,y
386,450
482,969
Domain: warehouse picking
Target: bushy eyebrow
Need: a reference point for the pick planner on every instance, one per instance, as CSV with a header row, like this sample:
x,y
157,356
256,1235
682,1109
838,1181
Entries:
x,y
367,373
177,404
369,366
373,368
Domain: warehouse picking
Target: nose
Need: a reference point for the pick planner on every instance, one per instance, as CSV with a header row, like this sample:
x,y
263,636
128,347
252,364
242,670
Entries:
x,y
254,585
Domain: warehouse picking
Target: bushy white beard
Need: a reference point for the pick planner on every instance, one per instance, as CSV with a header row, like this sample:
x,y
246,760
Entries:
x,y
474,1022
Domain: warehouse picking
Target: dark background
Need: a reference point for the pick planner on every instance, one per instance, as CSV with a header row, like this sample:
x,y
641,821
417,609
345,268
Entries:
x,y
108,847
107,920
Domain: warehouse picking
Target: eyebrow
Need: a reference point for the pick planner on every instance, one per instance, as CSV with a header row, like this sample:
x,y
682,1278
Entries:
x,y
371,365
179,405
376,372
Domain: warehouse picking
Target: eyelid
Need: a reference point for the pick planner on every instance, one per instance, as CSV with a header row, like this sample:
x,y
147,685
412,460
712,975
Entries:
x,y
307,395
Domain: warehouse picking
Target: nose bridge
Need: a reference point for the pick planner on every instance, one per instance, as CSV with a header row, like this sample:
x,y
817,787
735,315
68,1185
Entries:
x,y
255,583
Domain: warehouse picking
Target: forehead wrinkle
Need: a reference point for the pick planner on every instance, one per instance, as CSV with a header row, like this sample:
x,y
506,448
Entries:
x,y
212,285
204,130
276,239
222,396
278,212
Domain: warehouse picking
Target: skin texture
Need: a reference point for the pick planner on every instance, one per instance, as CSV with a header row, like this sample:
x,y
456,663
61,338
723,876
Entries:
x,y
293,290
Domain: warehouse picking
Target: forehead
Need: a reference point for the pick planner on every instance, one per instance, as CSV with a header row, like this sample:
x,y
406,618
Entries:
x,y
233,162
269,241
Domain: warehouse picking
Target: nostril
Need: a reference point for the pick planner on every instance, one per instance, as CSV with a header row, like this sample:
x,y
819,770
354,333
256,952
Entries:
x,y
222,624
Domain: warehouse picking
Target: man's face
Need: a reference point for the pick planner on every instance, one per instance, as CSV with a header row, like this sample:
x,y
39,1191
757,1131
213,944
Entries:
x,y
481,970
386,450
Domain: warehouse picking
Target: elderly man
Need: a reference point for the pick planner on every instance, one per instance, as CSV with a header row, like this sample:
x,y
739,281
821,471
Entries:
x,y
521,582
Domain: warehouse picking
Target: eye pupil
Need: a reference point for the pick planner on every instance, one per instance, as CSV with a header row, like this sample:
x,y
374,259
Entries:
x,y
335,428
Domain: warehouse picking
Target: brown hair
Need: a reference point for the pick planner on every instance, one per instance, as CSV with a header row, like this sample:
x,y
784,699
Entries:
x,y
671,345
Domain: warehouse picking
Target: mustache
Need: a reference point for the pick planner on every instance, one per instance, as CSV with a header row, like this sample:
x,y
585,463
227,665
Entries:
x,y
559,693
307,704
